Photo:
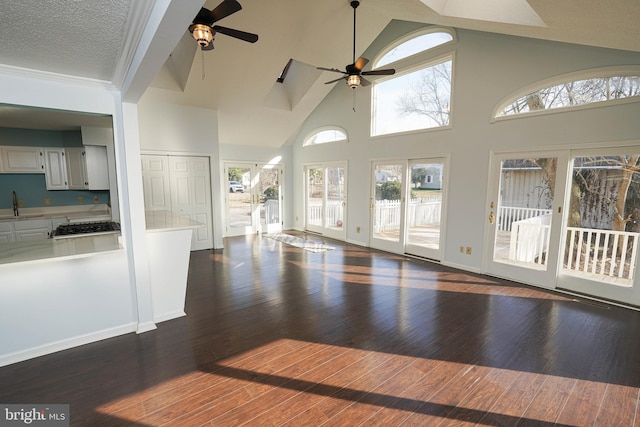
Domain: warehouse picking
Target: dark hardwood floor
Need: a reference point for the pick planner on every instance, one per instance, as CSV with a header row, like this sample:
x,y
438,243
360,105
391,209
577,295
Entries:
x,y
276,335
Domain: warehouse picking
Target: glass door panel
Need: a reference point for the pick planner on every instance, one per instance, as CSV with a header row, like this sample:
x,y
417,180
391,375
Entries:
x,y
239,200
269,192
425,208
335,201
601,228
387,217
525,234
315,199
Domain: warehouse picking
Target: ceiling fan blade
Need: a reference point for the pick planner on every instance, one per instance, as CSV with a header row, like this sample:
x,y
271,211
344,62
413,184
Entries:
x,y
360,63
336,80
203,17
335,70
224,9
242,35
387,72
364,82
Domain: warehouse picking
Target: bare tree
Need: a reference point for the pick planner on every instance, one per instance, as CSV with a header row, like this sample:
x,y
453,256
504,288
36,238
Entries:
x,y
429,95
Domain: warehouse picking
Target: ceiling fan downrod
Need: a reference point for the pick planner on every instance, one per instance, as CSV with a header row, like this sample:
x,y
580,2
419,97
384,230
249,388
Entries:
x,y
354,5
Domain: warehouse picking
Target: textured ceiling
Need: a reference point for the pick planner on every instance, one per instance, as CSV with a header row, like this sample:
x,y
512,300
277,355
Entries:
x,y
74,37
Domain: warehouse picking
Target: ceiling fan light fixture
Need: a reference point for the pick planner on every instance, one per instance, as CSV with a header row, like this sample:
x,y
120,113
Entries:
x,y
202,33
353,81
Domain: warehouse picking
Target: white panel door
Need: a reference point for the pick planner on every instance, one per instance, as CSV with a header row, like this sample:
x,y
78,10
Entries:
x,y
191,195
155,180
181,184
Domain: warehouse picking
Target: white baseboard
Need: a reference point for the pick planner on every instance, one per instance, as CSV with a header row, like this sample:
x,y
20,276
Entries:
x,y
169,316
30,353
461,267
357,242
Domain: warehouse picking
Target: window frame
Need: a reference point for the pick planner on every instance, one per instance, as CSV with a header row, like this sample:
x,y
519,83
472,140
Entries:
x,y
591,73
306,143
422,64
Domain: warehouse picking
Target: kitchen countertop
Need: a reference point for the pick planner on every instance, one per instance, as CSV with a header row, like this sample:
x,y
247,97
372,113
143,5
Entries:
x,y
72,213
167,220
52,248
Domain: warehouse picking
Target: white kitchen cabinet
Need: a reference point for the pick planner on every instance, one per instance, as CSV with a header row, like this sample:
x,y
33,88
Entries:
x,y
32,229
21,159
87,168
6,232
55,168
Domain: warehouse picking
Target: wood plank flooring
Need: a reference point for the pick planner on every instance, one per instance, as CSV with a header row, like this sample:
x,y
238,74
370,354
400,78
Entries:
x,y
278,336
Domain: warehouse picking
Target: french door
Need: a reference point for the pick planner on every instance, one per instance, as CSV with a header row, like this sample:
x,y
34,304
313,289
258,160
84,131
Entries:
x,y
407,206
565,220
326,199
253,198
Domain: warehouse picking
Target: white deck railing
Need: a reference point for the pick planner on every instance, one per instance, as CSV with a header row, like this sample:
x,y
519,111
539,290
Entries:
x,y
386,213
507,215
601,252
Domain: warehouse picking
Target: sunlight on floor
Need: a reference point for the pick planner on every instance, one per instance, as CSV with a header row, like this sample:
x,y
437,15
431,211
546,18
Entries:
x,y
298,381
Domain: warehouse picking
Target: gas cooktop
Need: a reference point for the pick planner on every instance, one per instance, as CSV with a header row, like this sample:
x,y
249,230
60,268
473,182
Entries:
x,y
85,229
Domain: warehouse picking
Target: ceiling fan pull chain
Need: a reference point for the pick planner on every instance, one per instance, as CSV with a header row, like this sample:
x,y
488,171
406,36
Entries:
x,y
203,73
354,100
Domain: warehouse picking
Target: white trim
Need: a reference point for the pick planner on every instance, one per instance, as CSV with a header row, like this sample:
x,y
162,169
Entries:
x,y
54,77
462,267
65,344
169,316
145,327
591,73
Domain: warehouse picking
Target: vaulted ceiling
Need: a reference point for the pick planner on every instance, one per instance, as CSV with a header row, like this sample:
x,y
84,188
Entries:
x,y
93,39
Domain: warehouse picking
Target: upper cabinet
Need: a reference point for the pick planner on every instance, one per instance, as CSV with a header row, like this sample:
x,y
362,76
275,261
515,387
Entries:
x,y
87,168
21,160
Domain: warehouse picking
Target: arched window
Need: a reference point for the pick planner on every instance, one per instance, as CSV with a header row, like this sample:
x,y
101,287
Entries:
x,y
575,90
418,95
413,45
325,135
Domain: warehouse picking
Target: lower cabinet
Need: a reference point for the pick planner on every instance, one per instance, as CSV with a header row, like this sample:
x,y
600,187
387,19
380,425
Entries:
x,y
28,229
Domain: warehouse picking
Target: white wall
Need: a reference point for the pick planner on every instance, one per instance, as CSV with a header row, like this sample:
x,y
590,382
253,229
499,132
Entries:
x,y
487,68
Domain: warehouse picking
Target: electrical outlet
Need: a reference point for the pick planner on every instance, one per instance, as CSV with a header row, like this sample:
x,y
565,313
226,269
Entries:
x,y
468,250
357,229
461,249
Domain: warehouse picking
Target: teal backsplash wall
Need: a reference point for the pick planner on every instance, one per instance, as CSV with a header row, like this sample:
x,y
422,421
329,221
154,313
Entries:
x,y
31,189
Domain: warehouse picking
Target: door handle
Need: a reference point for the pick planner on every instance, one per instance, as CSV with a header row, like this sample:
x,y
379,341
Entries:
x,y
492,218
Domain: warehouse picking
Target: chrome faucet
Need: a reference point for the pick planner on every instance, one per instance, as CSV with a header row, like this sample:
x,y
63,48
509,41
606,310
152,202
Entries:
x,y
15,204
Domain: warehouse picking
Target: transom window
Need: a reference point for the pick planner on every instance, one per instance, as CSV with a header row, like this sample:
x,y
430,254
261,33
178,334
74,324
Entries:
x,y
418,95
326,135
575,90
414,45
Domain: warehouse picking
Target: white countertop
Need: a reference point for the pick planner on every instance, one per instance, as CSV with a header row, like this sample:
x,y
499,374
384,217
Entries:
x,y
78,213
167,221
53,248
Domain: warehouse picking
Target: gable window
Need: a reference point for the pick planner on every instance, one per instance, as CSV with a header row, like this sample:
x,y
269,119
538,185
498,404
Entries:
x,y
326,135
573,91
418,95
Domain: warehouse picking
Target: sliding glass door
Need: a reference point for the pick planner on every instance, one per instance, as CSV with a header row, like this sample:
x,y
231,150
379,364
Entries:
x,y
407,206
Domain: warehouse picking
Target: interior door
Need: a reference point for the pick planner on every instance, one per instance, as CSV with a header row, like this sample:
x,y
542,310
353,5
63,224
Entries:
x,y
600,238
326,200
180,184
387,204
191,195
254,198
524,216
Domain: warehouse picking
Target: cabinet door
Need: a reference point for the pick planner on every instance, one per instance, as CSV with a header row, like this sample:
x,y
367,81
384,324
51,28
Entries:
x,y
55,169
96,167
37,229
21,159
76,171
